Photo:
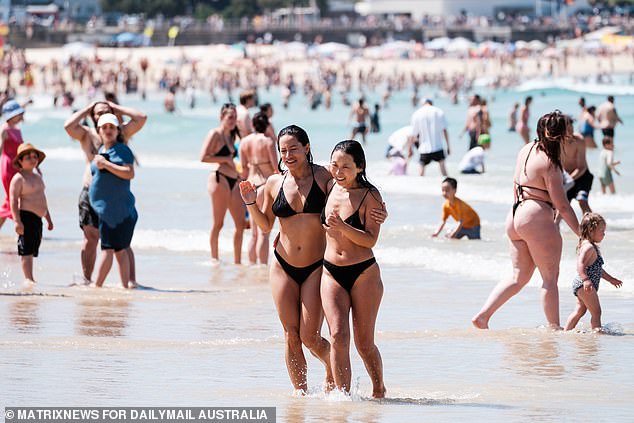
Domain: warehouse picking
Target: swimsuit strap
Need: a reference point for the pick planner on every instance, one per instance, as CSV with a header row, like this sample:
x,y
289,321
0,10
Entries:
x,y
527,156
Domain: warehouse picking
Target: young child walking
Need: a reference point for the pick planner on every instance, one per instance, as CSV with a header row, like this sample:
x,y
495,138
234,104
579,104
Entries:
x,y
607,165
589,268
468,220
28,206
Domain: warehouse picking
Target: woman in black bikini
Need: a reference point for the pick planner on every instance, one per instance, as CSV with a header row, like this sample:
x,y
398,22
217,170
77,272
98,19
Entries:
x,y
351,280
534,236
218,149
297,197
258,157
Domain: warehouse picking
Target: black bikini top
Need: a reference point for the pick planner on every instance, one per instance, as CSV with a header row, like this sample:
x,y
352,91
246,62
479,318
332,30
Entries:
x,y
354,219
224,151
315,200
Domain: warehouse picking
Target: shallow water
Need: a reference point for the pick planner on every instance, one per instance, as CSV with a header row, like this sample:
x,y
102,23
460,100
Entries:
x,y
205,335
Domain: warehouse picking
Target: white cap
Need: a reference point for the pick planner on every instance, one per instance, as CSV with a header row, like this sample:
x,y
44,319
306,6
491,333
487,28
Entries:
x,y
107,118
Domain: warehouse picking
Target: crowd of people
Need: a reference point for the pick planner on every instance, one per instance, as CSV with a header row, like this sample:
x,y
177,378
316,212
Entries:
x,y
323,265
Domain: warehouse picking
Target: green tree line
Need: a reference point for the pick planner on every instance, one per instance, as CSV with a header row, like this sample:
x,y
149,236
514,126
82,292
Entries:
x,y
203,8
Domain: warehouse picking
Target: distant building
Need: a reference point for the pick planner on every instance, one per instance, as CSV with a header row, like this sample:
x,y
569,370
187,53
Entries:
x,y
75,10
419,8
5,7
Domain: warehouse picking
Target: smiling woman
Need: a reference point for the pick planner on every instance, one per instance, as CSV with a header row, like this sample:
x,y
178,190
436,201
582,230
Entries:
x,y
351,280
111,198
296,197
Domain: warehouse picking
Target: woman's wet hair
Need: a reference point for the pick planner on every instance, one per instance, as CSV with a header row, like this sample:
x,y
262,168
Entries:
x,y
300,135
354,149
227,107
260,122
552,130
92,111
589,222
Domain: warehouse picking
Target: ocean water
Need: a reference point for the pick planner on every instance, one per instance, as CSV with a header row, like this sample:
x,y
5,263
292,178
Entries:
x,y
204,335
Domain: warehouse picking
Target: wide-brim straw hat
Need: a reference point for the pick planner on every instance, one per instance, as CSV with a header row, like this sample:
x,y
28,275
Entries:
x,y
25,149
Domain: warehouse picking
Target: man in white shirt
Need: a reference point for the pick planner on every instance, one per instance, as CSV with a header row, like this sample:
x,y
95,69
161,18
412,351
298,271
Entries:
x,y
429,125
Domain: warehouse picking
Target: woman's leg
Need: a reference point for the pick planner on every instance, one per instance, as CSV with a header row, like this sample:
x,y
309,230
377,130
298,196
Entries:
x,y
253,242
523,268
577,314
220,197
89,250
287,302
103,267
545,245
310,323
238,212
366,297
336,303
123,259
524,134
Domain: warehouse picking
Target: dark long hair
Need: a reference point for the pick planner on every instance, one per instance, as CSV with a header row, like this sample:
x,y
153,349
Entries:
x,y
552,130
354,149
235,133
92,111
300,135
260,122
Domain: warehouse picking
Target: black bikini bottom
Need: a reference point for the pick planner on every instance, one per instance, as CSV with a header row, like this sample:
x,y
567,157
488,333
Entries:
x,y
230,181
298,274
346,276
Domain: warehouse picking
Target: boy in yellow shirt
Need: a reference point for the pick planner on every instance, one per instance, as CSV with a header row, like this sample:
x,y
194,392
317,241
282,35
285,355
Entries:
x,y
467,218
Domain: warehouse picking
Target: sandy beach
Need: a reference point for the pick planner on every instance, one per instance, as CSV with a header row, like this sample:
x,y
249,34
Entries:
x,y
221,57
208,335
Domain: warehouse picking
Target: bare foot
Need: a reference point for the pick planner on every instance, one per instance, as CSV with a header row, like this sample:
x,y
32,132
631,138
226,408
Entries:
x,y
555,327
480,322
133,285
379,393
329,384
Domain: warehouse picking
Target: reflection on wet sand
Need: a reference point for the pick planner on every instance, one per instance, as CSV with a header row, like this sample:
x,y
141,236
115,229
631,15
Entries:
x,y
103,317
535,355
587,353
23,315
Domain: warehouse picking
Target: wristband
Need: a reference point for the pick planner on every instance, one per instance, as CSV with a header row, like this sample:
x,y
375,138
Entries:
x,y
249,204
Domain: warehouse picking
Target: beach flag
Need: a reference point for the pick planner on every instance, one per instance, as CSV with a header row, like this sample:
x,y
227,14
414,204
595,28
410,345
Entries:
x,y
172,33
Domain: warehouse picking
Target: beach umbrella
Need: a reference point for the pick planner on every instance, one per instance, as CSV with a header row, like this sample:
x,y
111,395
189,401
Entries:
x,y
573,43
78,48
592,45
521,45
437,43
552,52
396,48
330,49
460,44
600,33
536,45
491,46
